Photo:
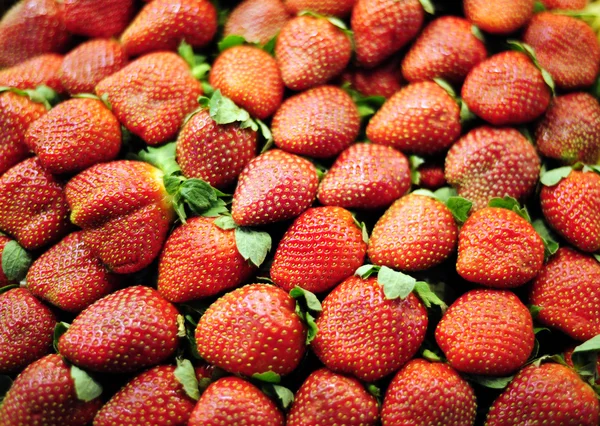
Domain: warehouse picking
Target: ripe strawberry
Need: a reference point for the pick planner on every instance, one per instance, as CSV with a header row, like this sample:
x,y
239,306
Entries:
x,y
536,393
42,69
258,21
311,51
506,89
126,331
33,208
566,47
362,333
431,176
488,162
44,394
234,401
26,332
500,16
487,332
75,135
421,118
274,186
383,27
383,80
252,330
90,62
97,19
251,78
565,4
320,122
415,233
429,393
447,48
164,24
324,7
152,95
572,208
327,398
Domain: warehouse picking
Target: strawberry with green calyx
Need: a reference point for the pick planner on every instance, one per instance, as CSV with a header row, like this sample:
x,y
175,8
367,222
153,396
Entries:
x,y
42,70
308,307
584,359
92,19
4,279
499,17
16,261
257,21
335,8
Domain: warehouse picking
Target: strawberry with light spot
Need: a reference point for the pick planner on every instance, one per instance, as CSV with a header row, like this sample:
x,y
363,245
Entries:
x,y
258,21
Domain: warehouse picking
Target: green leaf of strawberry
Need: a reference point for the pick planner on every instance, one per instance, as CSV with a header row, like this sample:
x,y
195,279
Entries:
x,y
491,382
528,50
550,244
230,41
395,284
186,375
552,177
226,222
253,245
15,261
86,387
284,396
428,297
510,203
460,207
60,329
307,308
267,377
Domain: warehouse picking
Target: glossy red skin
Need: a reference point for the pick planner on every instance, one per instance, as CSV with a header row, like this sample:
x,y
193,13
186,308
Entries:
x,y
383,80
44,393
258,21
43,69
26,330
69,276
500,16
126,331
339,8
93,19
431,176
366,335
565,4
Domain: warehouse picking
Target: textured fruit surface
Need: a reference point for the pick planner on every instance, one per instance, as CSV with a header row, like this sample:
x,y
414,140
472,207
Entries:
x,y
43,69
383,80
97,19
499,16
258,21
339,8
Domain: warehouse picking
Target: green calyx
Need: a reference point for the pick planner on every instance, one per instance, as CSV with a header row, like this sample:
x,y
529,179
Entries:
x,y
252,244
186,375
86,388
366,105
585,359
15,261
198,65
459,207
308,308
103,98
41,94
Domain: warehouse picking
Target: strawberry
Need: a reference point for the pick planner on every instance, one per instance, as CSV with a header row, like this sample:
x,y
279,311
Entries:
x,y
506,89
42,69
383,80
126,331
431,176
487,332
69,276
488,162
310,51
421,118
4,280
383,27
447,48
33,208
234,401
152,95
258,21
26,332
429,393
251,78
320,122
75,135
327,398
415,233
566,47
565,4
97,19
164,24
252,330
90,62
274,186
536,393
340,9
500,16
365,176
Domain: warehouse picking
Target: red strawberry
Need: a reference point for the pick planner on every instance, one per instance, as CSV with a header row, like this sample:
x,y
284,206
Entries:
x,y
429,393
383,80
97,19
566,47
42,69
233,401
487,332
152,95
127,330
499,16
274,186
489,162
431,176
258,21
320,122
252,330
415,233
327,398
546,394
26,332
366,176
164,24
421,118
325,7
565,4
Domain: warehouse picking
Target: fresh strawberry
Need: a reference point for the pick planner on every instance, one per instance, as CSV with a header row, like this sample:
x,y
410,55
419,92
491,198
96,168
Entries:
x,y
234,401
566,47
415,233
428,393
274,186
447,49
152,95
499,16
75,135
565,4
488,162
337,8
26,332
33,208
327,398
258,21
486,332
126,331
164,24
546,394
506,89
383,27
421,118
69,276
320,122
252,330
431,176
90,62
97,19
42,69
383,80
365,176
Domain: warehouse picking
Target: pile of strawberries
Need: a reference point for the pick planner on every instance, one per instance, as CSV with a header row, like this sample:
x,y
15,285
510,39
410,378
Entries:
x,y
299,212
